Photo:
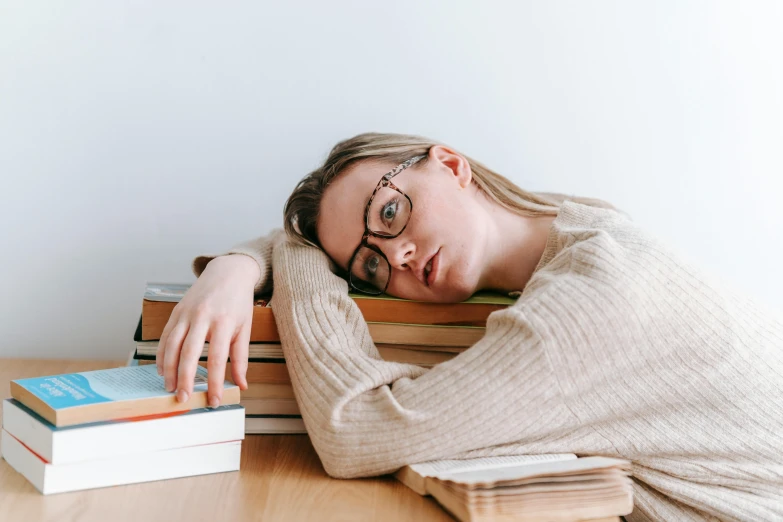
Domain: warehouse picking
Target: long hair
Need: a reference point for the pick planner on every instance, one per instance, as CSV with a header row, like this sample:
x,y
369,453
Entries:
x,y
302,208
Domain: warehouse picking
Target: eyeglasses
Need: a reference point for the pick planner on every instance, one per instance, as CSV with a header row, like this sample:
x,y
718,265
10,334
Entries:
x,y
386,216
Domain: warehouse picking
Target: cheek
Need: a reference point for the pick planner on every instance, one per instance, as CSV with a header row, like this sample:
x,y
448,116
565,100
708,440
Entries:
x,y
404,285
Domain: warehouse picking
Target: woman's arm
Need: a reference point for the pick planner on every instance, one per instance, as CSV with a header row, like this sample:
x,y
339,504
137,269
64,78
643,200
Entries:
x,y
218,308
366,416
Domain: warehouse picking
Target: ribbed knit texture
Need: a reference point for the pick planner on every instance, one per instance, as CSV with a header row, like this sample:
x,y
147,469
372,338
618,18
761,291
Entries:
x,y
616,347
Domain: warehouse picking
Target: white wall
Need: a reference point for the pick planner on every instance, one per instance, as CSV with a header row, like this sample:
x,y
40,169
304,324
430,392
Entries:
x,y
135,135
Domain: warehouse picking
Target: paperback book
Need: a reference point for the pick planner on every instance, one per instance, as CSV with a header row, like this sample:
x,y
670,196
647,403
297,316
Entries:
x,y
170,463
110,439
117,393
556,488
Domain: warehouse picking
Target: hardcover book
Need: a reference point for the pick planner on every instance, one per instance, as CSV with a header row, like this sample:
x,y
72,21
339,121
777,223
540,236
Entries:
x,y
424,356
160,299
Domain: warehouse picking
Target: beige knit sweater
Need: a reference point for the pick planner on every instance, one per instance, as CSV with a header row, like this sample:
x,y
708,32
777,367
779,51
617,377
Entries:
x,y
616,347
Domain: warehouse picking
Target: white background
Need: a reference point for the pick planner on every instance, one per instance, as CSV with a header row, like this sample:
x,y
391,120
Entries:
x,y
135,135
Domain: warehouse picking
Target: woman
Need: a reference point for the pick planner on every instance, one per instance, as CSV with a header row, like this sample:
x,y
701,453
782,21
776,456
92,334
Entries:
x,y
615,346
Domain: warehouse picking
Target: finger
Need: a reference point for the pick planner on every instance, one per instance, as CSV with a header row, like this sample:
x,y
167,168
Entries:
x,y
171,354
239,351
188,359
159,354
216,363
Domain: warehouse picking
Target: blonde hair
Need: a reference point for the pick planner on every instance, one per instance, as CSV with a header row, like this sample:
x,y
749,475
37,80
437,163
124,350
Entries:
x,y
302,208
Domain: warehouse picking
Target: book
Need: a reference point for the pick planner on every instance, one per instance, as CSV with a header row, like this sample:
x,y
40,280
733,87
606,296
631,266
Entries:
x,y
270,407
415,475
102,395
172,463
108,439
266,352
263,371
160,299
257,400
274,424
386,333
554,488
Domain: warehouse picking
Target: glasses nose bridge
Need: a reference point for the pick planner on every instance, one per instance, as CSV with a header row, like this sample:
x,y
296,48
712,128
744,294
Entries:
x,y
395,249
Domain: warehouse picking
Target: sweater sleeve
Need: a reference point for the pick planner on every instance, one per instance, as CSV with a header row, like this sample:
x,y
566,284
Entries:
x,y
258,249
366,416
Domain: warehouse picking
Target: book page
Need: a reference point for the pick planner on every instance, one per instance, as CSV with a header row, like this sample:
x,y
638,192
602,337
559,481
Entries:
x,y
441,467
509,475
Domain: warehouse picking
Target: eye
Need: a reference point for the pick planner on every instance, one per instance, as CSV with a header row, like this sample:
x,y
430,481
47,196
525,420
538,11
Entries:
x,y
389,211
371,266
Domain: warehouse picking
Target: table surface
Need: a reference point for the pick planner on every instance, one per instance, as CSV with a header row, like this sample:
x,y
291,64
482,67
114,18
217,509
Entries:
x,y
281,479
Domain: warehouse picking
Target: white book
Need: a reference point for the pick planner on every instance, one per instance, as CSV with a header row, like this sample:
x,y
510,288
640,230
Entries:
x,y
261,424
100,440
127,469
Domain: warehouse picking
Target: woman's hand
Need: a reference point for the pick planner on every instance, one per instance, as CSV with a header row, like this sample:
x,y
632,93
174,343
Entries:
x,y
218,308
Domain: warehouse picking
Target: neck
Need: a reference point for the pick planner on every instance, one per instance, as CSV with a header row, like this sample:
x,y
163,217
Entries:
x,y
515,246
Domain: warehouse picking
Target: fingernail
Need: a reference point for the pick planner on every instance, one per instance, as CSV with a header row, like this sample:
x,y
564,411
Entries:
x,y
169,387
182,396
214,402
160,372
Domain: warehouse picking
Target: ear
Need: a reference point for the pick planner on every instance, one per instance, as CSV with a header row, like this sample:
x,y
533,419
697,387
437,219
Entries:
x,y
453,161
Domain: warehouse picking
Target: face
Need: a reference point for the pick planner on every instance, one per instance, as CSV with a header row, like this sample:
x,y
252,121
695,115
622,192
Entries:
x,y
438,257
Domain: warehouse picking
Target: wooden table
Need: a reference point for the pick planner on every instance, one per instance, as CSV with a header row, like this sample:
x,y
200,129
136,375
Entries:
x,y
281,479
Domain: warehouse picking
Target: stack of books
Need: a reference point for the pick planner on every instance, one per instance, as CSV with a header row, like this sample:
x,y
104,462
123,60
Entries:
x,y
119,426
530,487
404,331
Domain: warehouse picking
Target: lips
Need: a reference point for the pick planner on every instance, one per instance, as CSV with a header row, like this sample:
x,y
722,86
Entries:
x,y
431,268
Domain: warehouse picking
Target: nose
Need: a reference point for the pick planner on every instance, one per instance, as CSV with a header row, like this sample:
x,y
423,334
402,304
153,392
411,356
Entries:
x,y
399,250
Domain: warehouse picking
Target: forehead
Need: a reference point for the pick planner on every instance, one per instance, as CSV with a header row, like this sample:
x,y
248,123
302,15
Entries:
x,y
341,216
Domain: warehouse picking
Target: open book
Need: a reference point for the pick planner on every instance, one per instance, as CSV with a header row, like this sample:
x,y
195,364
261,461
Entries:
x,y
527,487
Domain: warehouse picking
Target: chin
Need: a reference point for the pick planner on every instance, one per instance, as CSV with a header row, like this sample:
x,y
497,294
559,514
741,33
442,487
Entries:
x,y
454,286
449,294
456,295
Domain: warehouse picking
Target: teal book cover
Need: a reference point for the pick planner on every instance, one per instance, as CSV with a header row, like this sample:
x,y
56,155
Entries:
x,y
76,398
116,384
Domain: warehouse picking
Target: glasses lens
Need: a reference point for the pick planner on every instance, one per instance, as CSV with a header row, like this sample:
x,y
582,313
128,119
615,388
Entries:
x,y
369,271
389,212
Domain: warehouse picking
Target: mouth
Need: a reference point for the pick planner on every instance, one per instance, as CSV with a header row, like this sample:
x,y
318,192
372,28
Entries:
x,y
431,268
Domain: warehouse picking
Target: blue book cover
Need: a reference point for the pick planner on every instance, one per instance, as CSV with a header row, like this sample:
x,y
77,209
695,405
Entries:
x,y
113,393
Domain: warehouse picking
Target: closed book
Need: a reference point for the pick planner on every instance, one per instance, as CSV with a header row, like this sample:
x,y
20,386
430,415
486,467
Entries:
x,y
108,439
264,352
116,393
274,424
265,390
126,469
265,372
381,333
160,299
270,406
